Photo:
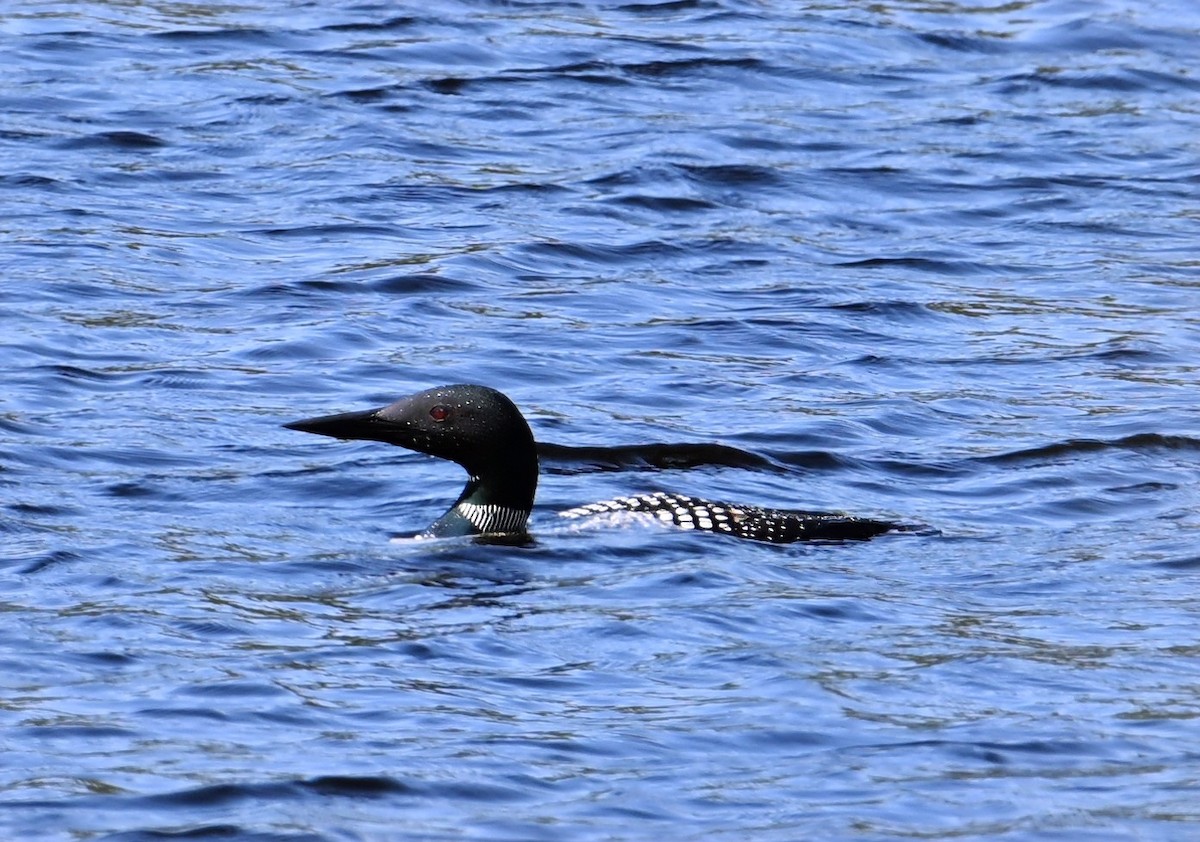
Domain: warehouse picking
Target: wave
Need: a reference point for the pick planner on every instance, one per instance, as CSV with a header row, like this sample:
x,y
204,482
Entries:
x,y
1138,442
565,459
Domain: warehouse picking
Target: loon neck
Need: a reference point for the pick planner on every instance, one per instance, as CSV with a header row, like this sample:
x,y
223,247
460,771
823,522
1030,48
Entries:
x,y
496,505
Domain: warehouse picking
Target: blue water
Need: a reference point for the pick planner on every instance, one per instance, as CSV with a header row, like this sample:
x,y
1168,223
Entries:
x,y
934,262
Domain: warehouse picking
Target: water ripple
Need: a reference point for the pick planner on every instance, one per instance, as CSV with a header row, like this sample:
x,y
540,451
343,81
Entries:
x,y
924,262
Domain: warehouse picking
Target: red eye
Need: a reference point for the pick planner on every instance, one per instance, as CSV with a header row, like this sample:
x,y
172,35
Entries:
x,y
439,413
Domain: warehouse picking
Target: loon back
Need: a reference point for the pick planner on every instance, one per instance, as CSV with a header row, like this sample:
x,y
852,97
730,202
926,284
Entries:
x,y
482,430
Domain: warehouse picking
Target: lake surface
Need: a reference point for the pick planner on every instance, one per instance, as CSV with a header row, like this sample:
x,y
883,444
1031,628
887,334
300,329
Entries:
x,y
929,261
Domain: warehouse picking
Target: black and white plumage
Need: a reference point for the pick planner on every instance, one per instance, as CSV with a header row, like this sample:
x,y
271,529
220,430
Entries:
x,y
482,430
776,526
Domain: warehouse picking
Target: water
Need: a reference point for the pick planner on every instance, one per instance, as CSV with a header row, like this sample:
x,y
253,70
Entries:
x,y
926,261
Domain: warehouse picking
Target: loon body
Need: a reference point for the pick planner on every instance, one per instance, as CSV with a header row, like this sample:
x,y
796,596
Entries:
x,y
482,430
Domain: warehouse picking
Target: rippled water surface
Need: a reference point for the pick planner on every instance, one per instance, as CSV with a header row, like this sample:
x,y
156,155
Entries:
x,y
927,261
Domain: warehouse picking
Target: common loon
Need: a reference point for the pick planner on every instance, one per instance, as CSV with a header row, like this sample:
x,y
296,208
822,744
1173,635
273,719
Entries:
x,y
482,430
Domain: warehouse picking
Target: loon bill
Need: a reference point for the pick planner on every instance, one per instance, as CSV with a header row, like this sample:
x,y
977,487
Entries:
x,y
482,430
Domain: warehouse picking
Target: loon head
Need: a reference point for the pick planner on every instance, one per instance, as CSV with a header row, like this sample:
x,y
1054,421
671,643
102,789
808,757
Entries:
x,y
475,426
